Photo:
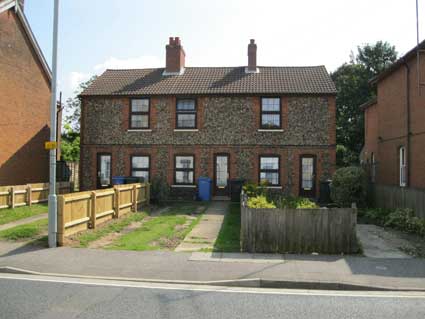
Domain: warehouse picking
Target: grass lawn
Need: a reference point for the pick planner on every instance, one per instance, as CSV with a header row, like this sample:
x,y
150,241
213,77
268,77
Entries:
x,y
163,231
114,226
8,215
228,239
25,232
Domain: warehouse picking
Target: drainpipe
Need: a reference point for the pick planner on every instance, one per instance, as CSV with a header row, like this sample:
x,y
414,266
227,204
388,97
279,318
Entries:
x,y
408,118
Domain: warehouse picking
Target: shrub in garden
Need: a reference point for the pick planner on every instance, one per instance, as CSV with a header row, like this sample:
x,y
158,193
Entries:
x,y
160,190
252,189
404,219
349,185
260,201
295,202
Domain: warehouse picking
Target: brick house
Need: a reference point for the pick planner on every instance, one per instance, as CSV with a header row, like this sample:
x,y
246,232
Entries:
x,y
395,124
24,100
180,123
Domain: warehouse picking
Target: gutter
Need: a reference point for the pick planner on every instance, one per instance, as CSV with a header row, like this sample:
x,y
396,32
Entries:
x,y
408,134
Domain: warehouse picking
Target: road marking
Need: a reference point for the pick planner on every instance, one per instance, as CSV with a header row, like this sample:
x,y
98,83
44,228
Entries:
x,y
266,291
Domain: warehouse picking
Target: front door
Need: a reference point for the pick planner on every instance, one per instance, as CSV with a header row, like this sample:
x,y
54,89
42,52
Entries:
x,y
103,170
221,175
308,176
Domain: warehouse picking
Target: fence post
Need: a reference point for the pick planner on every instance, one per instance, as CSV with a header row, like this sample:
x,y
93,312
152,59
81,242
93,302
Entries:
x,y
93,210
29,199
12,197
147,193
135,198
61,220
117,202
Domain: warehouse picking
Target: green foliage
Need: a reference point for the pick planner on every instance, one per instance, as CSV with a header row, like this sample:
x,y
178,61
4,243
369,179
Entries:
x,y
160,190
295,202
252,189
405,220
401,219
376,57
349,185
260,201
73,105
344,156
351,80
70,144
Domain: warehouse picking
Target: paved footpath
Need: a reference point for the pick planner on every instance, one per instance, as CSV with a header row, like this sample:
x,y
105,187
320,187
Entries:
x,y
205,233
391,273
23,221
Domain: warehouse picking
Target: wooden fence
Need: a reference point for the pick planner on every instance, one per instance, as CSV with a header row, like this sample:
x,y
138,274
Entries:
x,y
22,195
322,230
84,210
399,197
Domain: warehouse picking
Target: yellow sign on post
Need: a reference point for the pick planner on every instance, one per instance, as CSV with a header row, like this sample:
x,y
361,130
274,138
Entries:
x,y
51,145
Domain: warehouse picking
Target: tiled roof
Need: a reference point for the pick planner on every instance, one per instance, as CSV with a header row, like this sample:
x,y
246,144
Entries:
x,y
214,80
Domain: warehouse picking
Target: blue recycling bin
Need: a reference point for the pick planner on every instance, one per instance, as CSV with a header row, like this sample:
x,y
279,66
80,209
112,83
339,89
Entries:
x,y
204,188
118,180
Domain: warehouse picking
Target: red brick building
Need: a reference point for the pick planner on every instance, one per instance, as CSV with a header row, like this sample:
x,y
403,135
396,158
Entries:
x,y
24,100
180,123
395,124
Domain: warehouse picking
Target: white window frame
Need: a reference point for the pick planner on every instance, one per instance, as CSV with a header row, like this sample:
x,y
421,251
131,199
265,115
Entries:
x,y
373,168
402,166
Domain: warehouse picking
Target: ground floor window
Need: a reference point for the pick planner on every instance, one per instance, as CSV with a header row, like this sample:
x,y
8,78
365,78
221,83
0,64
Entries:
x,y
184,170
269,170
140,166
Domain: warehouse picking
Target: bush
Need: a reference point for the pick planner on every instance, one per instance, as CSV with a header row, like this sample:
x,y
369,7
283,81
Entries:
x,y
253,190
404,219
260,202
295,202
349,185
160,190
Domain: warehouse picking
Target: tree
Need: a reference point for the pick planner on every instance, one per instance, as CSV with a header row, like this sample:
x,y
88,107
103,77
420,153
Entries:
x,y
70,143
353,89
73,105
376,58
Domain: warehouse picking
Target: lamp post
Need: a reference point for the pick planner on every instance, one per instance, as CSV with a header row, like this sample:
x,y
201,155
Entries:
x,y
52,153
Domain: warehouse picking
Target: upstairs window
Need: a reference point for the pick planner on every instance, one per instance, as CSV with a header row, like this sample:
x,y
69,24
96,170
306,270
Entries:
x,y
139,114
270,113
269,170
402,158
184,170
140,167
186,114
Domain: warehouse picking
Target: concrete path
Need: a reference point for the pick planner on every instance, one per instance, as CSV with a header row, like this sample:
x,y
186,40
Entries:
x,y
380,243
23,221
204,234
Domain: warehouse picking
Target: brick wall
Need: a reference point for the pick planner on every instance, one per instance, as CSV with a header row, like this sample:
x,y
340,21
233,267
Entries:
x,y
24,105
386,126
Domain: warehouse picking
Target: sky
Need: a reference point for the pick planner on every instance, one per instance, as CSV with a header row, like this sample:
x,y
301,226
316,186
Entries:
x,y
98,34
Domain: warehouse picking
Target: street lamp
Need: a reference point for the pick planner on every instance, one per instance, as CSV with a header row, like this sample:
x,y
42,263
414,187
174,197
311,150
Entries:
x,y
52,152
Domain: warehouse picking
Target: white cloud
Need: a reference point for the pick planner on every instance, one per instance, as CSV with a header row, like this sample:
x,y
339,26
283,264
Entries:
x,y
144,61
75,78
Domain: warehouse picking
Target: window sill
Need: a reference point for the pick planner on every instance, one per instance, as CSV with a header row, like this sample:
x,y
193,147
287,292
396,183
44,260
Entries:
x,y
185,130
187,186
273,187
270,130
139,130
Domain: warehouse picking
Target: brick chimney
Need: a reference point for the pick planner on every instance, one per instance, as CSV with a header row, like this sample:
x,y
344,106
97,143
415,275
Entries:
x,y
252,57
175,57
